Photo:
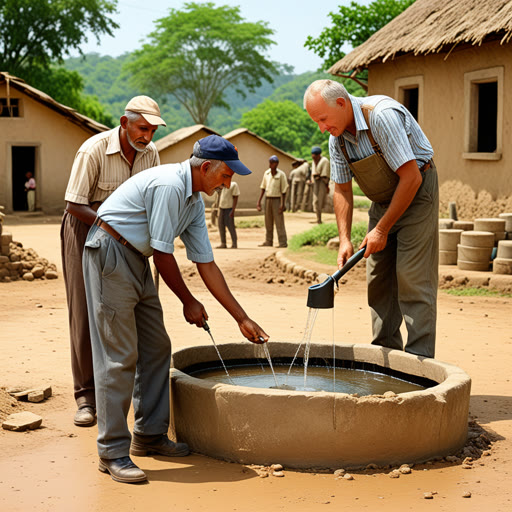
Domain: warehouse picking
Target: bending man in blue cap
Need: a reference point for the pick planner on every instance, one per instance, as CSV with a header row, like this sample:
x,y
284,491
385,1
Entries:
x,y
131,349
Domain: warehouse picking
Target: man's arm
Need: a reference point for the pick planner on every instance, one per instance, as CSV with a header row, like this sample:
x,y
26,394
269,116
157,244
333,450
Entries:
x,y
193,310
343,200
82,212
233,208
410,181
215,282
258,205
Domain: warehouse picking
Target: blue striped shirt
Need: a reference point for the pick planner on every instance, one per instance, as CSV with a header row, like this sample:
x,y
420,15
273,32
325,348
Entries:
x,y
393,127
155,206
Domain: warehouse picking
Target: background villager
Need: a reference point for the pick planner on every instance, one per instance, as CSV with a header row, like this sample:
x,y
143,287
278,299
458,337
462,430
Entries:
x,y
227,207
321,175
377,141
30,189
139,220
101,164
298,178
274,187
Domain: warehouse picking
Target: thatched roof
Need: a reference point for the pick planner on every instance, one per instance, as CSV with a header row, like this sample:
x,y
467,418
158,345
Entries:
x,y
41,97
181,134
432,26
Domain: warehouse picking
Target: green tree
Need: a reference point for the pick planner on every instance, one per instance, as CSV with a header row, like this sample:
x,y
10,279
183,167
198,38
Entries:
x,y
197,53
36,33
284,124
353,25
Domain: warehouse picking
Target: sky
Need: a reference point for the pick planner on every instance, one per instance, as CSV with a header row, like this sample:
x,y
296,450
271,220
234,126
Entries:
x,y
292,21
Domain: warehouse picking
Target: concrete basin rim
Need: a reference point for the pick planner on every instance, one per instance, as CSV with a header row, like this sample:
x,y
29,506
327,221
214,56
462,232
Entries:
x,y
455,377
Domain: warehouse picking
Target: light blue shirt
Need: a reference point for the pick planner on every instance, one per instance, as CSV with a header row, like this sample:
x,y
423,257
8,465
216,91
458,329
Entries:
x,y
155,206
393,127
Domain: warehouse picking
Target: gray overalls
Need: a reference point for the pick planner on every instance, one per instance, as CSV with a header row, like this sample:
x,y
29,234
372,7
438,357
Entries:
x,y
402,279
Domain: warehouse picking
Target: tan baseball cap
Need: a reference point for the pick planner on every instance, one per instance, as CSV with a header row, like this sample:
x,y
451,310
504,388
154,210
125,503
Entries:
x,y
147,108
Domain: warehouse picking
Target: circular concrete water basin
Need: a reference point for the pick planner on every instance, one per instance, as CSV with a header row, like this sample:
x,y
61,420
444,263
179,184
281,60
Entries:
x,y
305,429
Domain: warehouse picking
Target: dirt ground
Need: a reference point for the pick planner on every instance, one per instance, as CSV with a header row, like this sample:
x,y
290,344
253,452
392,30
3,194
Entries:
x,y
54,468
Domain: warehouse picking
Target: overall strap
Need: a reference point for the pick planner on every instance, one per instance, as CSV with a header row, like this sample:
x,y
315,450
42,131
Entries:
x,y
366,109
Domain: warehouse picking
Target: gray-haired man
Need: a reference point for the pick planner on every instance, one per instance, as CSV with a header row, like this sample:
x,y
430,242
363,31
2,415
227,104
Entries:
x,y
101,164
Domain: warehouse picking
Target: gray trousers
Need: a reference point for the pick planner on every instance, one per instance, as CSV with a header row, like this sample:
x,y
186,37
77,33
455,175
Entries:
x,y
403,278
225,221
319,195
297,191
131,349
272,216
73,233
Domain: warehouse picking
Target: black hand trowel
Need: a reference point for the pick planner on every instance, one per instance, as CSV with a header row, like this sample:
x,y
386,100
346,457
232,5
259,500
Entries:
x,y
321,296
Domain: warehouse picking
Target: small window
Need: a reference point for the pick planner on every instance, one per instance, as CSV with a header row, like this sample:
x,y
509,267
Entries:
x,y
409,92
9,107
483,95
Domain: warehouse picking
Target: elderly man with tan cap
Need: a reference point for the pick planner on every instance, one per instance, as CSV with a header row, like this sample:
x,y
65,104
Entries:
x,y
101,164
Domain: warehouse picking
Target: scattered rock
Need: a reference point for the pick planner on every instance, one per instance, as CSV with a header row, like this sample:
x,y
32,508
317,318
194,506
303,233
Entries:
x,y
394,474
339,473
428,495
372,466
389,394
347,476
28,276
405,469
278,473
276,467
32,394
466,494
22,421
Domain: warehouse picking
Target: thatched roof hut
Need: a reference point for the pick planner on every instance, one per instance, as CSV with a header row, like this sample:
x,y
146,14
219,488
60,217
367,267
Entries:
x,y
433,26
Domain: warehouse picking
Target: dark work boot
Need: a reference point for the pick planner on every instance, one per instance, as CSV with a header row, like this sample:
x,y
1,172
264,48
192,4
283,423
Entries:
x,y
157,445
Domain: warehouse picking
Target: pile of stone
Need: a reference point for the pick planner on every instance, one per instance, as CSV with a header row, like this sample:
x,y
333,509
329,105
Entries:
x,y
19,263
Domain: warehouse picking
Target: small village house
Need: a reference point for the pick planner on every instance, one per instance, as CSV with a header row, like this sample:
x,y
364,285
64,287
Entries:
x,y
254,152
38,135
450,63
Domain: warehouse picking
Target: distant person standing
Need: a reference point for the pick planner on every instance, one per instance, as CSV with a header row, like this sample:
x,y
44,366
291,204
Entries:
x,y
274,186
321,175
298,178
30,189
227,206
101,164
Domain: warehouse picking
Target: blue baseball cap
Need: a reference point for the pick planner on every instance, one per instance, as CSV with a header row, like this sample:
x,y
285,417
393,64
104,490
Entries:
x,y
316,150
219,148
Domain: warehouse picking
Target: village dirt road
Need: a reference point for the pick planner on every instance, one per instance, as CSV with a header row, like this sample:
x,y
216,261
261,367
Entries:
x,y
55,468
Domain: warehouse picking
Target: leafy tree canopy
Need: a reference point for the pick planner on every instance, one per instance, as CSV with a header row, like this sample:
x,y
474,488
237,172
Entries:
x,y
284,124
353,25
197,53
36,33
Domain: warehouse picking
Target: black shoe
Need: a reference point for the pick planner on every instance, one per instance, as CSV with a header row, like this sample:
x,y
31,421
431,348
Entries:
x,y
85,416
157,445
122,470
265,244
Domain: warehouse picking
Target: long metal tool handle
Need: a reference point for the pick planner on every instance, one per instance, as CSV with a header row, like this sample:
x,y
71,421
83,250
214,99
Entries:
x,y
350,263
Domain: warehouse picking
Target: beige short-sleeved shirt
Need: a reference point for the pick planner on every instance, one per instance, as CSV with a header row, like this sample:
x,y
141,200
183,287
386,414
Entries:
x,y
300,173
323,168
227,194
274,186
100,167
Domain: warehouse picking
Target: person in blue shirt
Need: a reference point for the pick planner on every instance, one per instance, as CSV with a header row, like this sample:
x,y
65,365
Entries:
x,y
131,349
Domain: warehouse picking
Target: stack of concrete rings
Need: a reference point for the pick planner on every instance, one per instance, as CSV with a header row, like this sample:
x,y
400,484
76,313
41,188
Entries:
x,y
502,264
475,250
448,242
494,225
508,224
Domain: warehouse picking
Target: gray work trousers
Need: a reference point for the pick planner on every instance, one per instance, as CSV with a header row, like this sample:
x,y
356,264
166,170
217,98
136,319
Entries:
x,y
297,191
272,216
403,278
73,233
319,195
225,221
131,349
